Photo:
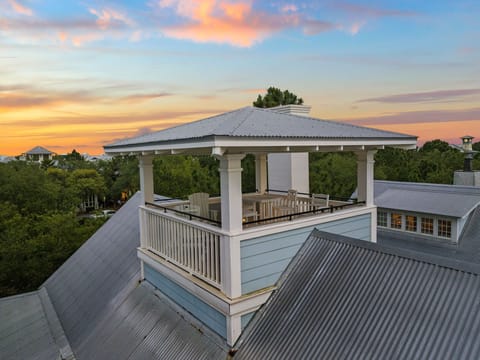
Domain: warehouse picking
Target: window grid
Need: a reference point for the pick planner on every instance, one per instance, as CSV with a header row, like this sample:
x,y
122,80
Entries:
x,y
411,223
427,226
444,228
396,221
382,218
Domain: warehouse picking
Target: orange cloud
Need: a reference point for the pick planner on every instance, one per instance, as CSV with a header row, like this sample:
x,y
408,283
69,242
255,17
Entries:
x,y
137,98
19,8
235,23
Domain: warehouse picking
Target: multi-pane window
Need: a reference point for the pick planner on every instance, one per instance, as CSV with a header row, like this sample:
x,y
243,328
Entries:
x,y
411,223
427,226
382,218
395,221
444,228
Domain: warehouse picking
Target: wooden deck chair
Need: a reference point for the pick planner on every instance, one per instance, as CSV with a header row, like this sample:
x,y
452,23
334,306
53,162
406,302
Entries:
x,y
201,200
288,205
319,201
249,211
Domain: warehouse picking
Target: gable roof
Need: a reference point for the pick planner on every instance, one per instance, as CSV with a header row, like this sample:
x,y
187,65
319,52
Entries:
x,y
350,299
447,200
250,123
38,150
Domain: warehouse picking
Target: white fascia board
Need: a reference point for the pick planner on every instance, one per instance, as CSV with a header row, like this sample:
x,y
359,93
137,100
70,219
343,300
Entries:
x,y
285,142
159,147
261,144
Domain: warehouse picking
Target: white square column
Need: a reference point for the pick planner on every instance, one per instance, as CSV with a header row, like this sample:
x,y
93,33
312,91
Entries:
x,y
261,173
231,207
146,177
365,176
231,192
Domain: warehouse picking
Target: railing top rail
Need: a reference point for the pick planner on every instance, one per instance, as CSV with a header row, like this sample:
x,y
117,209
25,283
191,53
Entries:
x,y
332,197
183,213
290,217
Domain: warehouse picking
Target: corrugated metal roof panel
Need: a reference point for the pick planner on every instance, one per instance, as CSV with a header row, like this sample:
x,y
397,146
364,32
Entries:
x,y
98,276
262,123
24,329
447,200
348,299
147,327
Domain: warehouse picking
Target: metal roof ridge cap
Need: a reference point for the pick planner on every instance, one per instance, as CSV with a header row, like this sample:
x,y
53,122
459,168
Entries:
x,y
247,115
55,326
415,183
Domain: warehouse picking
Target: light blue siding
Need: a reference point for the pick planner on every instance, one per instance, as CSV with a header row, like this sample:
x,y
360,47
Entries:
x,y
202,311
246,318
263,259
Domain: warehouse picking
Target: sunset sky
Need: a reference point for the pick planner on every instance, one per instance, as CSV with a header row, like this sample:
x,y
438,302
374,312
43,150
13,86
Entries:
x,y
81,74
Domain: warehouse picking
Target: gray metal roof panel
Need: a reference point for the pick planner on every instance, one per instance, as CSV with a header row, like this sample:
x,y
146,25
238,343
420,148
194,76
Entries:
x,y
345,298
261,123
145,327
24,329
447,200
98,276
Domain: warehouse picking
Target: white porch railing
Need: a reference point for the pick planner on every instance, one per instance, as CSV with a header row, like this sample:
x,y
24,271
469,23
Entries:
x,y
191,246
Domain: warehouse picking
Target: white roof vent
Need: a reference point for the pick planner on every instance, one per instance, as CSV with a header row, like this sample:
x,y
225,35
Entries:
x,y
302,110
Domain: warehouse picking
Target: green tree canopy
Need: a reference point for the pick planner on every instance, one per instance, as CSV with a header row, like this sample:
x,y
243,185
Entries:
x,y
276,97
436,144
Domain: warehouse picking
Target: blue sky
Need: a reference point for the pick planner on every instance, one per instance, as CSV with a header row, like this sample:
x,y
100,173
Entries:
x,y
79,74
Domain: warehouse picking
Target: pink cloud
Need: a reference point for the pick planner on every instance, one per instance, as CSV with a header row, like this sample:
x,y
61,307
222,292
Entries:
x,y
19,8
418,117
106,17
137,98
357,16
289,8
232,22
428,96
102,23
368,11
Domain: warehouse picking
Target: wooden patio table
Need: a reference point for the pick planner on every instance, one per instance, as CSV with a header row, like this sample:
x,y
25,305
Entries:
x,y
263,203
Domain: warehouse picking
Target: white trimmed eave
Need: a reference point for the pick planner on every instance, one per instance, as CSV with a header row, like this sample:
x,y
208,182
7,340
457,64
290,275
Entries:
x,y
225,145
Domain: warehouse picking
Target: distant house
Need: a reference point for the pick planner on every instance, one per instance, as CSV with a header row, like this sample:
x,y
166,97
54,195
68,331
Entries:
x,y
38,154
6,159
